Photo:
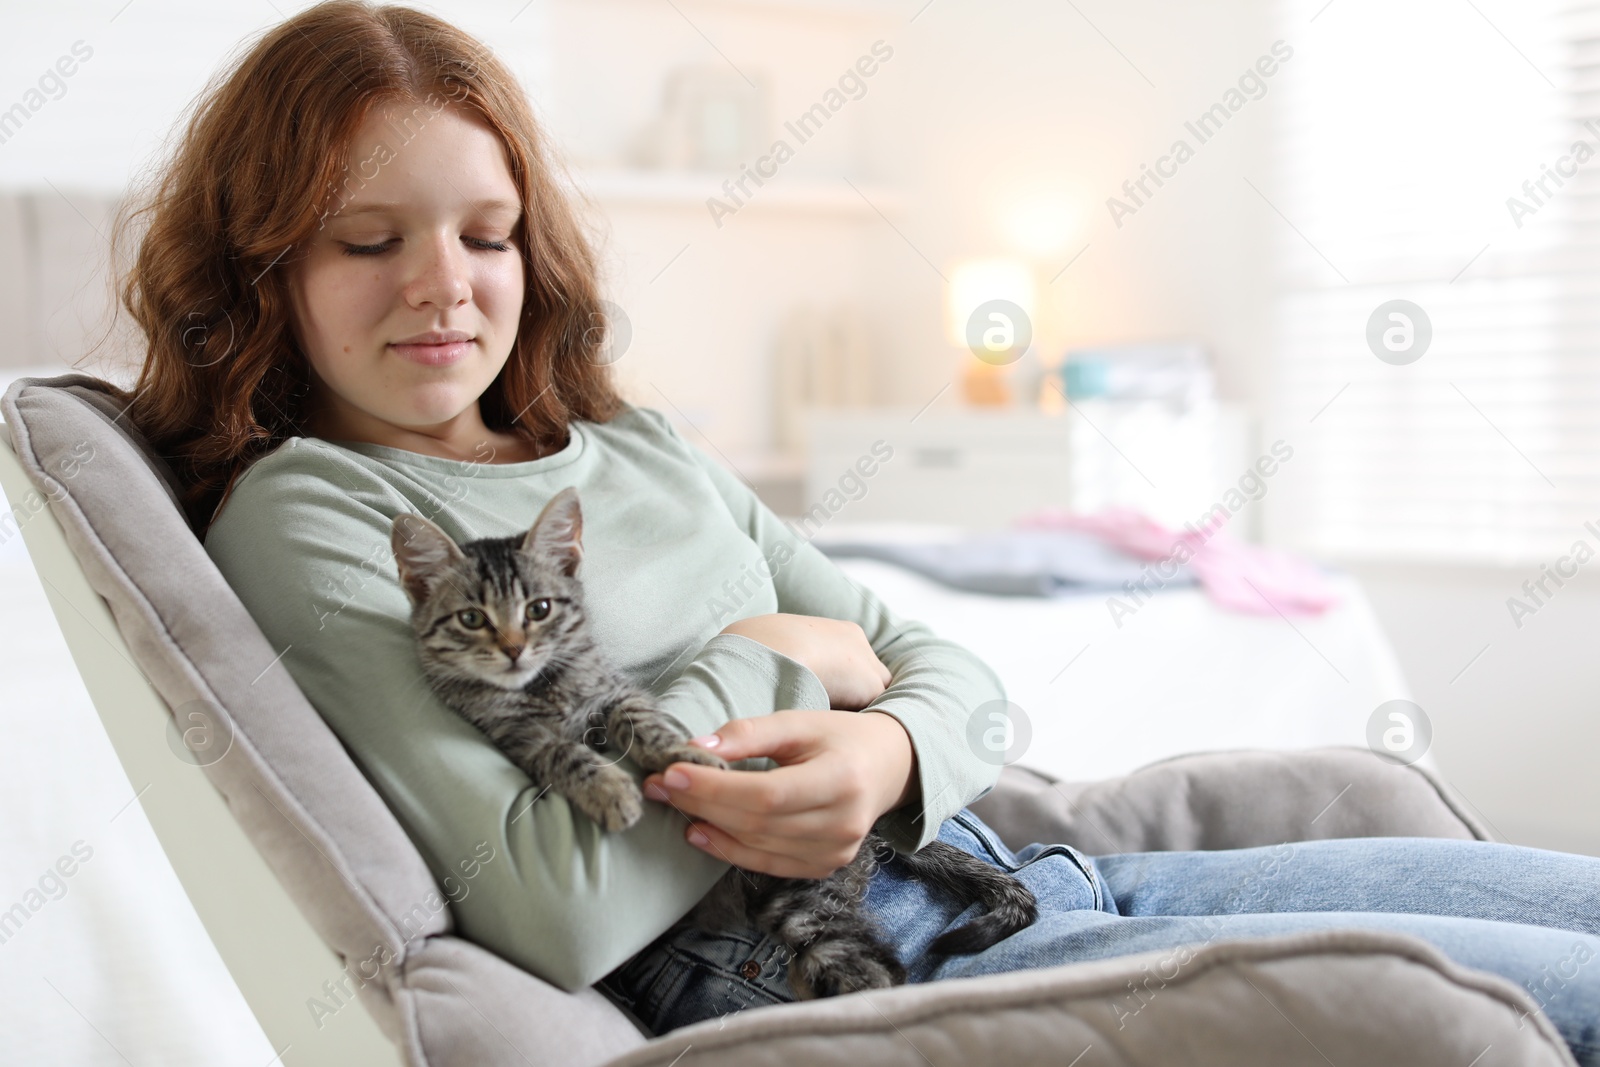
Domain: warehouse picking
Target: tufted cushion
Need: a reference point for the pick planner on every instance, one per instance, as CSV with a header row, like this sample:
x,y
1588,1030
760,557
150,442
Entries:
x,y
1306,1000
1214,800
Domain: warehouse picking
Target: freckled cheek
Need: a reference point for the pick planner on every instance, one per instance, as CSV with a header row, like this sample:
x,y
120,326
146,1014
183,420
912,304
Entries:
x,y
498,292
349,305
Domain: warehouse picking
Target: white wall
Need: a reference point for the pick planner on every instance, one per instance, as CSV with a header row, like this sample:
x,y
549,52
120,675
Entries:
x,y
980,105
1516,729
705,300
1000,105
149,62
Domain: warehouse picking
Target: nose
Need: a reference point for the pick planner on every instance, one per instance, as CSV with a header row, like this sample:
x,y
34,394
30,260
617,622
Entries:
x,y
441,278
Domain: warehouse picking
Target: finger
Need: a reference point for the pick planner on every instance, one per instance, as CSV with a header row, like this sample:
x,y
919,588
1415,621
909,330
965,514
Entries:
x,y
829,841
714,842
783,790
784,736
822,826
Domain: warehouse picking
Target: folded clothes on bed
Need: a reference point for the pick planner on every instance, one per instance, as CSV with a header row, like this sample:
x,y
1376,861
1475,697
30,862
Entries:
x,y
1013,562
1121,551
1235,574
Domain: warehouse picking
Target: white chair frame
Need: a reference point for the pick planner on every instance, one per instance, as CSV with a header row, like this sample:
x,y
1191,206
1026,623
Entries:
x,y
274,955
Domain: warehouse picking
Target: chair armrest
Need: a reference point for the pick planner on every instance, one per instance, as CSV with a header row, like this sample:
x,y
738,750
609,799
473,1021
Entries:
x,y
1313,998
1240,799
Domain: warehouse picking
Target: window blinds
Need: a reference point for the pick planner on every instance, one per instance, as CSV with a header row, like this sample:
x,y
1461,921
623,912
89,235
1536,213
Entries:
x,y
1430,152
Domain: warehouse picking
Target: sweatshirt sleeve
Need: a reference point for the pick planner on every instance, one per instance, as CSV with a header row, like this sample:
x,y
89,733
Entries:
x,y
936,684
735,677
305,545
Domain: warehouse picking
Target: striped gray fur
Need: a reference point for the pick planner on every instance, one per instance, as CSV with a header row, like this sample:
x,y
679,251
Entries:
x,y
503,641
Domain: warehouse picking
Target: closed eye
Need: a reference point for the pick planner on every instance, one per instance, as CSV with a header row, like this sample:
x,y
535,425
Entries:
x,y
377,249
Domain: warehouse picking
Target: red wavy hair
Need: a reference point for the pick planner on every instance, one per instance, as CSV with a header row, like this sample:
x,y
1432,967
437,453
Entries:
x,y
264,158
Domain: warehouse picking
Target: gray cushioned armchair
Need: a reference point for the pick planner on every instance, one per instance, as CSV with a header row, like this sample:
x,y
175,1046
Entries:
x,y
308,884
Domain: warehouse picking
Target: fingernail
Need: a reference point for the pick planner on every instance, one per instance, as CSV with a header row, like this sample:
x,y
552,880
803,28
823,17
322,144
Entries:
x,y
675,779
708,741
655,792
698,838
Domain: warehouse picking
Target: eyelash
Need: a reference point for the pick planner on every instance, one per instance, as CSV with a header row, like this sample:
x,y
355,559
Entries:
x,y
372,250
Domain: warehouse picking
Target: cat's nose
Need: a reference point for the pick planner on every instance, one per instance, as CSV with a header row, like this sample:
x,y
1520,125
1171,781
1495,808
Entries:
x,y
513,651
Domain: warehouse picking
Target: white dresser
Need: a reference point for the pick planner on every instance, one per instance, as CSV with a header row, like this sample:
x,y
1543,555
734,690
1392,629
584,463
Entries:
x,y
982,468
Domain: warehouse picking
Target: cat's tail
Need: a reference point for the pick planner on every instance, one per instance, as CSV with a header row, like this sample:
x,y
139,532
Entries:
x,y
1009,905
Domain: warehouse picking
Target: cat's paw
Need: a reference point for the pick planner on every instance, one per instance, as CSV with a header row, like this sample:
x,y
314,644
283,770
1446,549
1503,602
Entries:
x,y
835,967
611,798
653,760
693,754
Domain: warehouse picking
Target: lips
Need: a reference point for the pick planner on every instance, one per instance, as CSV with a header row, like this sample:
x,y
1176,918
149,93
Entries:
x,y
435,337
437,348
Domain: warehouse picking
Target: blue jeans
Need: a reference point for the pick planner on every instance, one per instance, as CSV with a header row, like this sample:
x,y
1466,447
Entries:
x,y
1529,915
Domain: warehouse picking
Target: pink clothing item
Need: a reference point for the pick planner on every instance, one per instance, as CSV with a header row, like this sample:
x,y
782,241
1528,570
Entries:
x,y
1235,574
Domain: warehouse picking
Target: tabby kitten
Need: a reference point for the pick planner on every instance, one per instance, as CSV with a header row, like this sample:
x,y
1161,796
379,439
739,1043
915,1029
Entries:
x,y
503,641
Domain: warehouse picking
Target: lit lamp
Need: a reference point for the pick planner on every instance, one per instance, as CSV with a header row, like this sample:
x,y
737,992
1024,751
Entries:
x,y
989,307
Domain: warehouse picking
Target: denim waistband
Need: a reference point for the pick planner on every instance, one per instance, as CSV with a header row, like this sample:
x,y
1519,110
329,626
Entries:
x,y
981,840
690,975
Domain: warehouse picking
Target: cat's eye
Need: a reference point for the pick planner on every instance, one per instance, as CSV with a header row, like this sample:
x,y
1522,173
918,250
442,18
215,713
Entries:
x,y
472,619
537,609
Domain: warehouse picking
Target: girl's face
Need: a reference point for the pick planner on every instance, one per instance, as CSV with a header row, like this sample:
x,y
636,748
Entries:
x,y
418,246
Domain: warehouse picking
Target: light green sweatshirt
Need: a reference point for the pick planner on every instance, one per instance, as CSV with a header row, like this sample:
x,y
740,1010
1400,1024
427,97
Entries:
x,y
675,548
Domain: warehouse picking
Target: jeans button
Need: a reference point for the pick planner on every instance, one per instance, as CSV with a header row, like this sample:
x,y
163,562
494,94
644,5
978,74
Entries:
x,y
750,970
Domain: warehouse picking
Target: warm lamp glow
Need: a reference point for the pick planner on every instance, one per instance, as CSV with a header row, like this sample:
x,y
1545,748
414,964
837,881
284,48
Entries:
x,y
1039,226
974,282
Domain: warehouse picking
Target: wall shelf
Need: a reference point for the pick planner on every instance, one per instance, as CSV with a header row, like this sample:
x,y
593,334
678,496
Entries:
x,y
677,189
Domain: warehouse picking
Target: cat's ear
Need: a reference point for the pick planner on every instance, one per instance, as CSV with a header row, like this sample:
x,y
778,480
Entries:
x,y
557,534
423,552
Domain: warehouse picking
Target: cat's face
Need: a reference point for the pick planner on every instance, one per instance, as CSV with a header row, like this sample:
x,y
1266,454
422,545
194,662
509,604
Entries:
x,y
498,609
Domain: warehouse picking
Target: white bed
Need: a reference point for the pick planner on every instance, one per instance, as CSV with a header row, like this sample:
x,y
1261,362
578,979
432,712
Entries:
x,y
1180,675
119,969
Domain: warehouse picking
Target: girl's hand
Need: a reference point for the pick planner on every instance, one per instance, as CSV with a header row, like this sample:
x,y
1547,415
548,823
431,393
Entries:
x,y
839,771
837,652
